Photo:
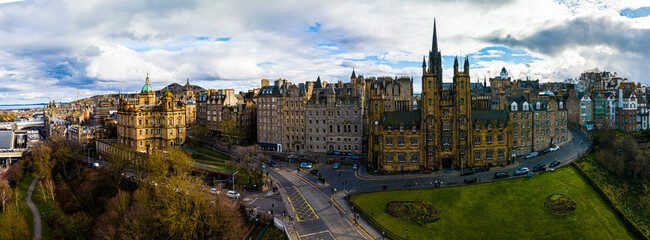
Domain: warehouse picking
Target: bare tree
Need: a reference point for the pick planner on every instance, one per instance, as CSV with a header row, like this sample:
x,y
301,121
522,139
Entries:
x,y
250,157
229,134
50,186
17,196
40,186
5,194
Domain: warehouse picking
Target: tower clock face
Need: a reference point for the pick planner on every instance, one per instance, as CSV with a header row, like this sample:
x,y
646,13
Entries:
x,y
376,122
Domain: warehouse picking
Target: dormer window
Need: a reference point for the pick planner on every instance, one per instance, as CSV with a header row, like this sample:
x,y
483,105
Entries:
x,y
413,128
401,128
478,127
513,106
539,105
525,107
489,126
561,105
389,128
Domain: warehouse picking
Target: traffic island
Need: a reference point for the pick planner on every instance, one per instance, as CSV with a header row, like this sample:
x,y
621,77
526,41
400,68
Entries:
x,y
417,212
559,204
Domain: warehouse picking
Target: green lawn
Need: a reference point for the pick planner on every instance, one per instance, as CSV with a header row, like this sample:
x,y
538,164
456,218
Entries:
x,y
204,150
23,186
509,209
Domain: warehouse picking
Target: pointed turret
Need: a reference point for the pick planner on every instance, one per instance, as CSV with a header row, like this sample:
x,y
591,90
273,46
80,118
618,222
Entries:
x,y
424,64
434,43
466,64
455,64
354,75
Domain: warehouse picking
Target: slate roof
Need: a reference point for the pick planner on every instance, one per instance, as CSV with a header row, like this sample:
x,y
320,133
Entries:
x,y
489,115
407,117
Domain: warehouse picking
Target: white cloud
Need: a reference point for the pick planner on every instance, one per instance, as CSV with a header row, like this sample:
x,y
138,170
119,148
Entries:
x,y
49,48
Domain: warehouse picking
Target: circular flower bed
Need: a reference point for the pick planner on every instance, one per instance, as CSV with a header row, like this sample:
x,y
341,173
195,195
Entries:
x,y
414,211
559,204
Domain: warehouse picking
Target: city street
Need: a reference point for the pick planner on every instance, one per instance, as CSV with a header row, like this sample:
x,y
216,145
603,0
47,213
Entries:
x,y
308,202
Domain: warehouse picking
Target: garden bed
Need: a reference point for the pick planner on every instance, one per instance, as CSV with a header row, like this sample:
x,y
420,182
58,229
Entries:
x,y
559,204
417,212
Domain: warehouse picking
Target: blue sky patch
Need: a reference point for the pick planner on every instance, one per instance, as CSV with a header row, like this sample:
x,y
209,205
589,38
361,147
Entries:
x,y
635,13
223,39
317,26
202,38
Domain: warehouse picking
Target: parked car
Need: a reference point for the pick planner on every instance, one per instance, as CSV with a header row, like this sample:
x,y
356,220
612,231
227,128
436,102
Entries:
x,y
96,165
539,168
555,163
233,194
470,180
355,166
214,191
554,148
305,165
545,151
272,164
501,175
336,165
314,172
521,171
531,155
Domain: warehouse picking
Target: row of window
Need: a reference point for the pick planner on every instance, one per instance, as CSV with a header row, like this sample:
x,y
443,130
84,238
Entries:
x,y
488,139
489,154
401,141
402,157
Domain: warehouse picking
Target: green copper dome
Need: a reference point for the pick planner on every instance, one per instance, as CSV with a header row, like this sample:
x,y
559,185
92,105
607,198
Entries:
x,y
147,86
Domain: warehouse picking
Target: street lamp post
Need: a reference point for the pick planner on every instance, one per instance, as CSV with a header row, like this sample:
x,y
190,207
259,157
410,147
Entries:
x,y
407,234
233,180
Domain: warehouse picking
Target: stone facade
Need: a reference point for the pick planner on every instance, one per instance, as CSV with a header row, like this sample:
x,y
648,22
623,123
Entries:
x,y
334,118
145,124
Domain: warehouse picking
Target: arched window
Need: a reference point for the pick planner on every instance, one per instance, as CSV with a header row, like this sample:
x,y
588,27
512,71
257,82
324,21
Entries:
x,y
538,105
513,106
525,106
561,105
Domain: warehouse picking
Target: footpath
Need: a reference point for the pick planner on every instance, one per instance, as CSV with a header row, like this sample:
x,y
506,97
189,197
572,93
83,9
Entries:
x,y
37,216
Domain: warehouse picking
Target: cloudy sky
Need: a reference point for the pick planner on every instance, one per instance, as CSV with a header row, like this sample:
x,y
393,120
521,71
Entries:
x,y
50,48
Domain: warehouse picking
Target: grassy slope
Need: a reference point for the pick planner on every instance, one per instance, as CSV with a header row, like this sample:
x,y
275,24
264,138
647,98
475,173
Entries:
x,y
48,207
23,186
623,193
510,209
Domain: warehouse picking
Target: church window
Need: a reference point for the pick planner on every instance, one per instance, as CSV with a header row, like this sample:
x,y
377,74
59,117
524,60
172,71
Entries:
x,y
429,84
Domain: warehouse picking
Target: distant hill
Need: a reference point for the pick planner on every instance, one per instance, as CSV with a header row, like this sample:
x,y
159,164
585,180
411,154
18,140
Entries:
x,y
176,88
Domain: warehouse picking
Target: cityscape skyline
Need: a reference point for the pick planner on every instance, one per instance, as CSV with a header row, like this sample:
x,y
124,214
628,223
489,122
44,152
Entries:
x,y
53,49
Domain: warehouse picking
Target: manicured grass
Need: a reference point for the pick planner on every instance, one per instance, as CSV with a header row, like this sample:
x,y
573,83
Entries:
x,y
201,149
49,208
509,209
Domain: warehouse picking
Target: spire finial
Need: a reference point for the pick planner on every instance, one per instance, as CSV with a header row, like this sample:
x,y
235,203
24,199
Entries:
x,y
424,61
354,75
434,42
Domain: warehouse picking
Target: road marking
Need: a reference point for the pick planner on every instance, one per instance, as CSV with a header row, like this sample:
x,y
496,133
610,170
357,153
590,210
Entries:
x,y
326,231
351,220
300,206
